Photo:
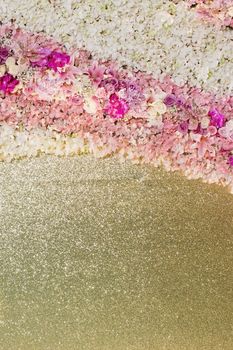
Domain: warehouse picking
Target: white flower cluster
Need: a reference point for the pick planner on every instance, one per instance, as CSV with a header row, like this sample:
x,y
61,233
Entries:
x,y
17,144
157,36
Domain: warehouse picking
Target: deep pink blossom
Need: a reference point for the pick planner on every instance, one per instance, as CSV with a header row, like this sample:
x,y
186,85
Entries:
x,y
8,83
230,160
52,60
117,107
217,119
58,60
4,53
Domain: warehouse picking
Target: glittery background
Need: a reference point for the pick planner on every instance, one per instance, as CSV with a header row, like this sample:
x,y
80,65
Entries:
x,y
95,254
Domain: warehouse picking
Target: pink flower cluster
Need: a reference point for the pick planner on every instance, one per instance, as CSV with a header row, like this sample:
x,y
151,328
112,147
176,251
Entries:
x,y
219,12
117,107
51,59
217,119
119,110
8,83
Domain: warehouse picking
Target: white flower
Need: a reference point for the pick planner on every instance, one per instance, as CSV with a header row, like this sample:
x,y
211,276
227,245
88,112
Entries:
x,y
155,121
164,17
155,112
11,66
90,105
157,107
230,11
205,122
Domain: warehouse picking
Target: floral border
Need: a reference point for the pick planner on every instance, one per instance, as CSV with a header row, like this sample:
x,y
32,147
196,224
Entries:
x,y
112,109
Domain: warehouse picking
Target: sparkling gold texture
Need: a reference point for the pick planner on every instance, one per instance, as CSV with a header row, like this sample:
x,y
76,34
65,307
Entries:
x,y
97,255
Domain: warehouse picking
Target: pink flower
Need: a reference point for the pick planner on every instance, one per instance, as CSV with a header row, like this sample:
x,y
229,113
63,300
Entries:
x,y
134,94
117,107
183,127
96,73
8,83
3,54
110,85
217,119
170,100
57,60
53,60
230,160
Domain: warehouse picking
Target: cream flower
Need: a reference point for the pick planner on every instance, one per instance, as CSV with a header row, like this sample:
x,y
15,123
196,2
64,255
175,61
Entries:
x,y
155,112
11,66
157,107
230,11
205,122
90,105
83,86
2,69
155,120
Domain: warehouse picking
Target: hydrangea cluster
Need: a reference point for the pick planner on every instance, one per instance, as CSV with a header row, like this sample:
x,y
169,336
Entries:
x,y
109,109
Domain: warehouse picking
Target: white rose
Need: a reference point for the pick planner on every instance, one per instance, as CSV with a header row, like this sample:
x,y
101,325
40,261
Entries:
x,y
90,105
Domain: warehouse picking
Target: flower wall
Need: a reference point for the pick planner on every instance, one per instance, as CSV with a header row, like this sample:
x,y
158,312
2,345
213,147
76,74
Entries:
x,y
59,98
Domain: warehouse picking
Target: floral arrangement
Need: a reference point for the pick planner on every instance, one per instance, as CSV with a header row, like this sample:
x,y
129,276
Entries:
x,y
159,37
60,102
219,12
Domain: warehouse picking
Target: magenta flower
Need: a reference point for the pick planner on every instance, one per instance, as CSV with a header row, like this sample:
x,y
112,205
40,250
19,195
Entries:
x,y
8,83
52,60
117,107
217,119
58,60
3,54
230,160
170,100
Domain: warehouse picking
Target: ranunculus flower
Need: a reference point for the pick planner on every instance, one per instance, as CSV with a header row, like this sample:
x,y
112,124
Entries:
x,y
52,60
170,100
3,54
217,119
8,83
58,60
117,107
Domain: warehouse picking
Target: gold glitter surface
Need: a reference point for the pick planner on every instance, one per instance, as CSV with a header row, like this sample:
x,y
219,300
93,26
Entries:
x,y
97,255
